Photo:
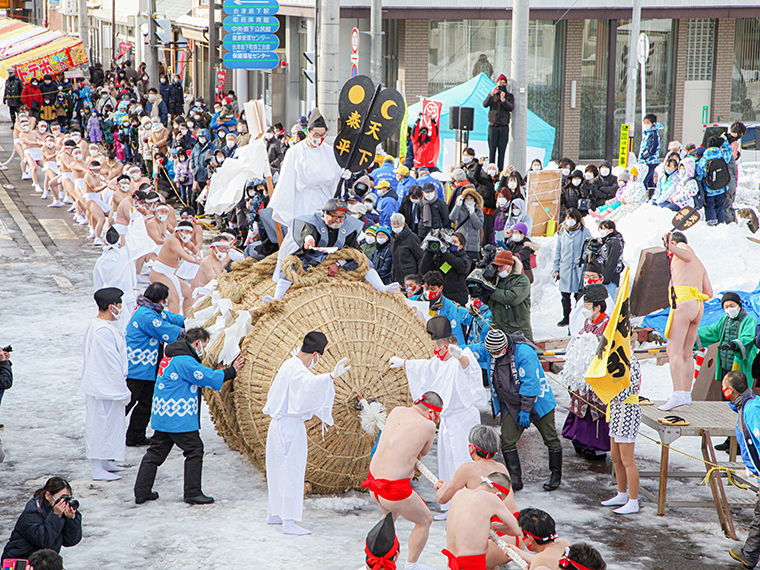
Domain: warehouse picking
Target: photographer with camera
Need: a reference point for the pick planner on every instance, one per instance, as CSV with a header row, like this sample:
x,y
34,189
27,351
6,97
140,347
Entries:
x,y
6,372
446,253
434,212
51,519
510,300
468,216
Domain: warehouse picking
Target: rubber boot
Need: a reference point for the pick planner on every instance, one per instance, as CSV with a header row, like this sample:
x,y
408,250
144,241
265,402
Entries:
x,y
513,466
555,466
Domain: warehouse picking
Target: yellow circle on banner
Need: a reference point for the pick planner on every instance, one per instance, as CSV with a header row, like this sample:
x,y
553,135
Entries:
x,y
356,94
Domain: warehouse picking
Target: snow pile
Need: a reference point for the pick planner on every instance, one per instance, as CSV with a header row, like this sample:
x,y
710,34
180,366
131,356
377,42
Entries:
x,y
343,504
748,187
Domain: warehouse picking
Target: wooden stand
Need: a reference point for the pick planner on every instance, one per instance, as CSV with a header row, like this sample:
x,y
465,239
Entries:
x,y
543,199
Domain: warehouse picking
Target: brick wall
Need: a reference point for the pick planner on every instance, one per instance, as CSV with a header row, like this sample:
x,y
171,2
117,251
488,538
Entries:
x,y
414,55
682,44
569,142
724,61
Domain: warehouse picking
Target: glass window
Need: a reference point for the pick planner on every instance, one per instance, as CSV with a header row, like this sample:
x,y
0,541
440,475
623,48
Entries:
x,y
593,95
700,49
745,87
659,77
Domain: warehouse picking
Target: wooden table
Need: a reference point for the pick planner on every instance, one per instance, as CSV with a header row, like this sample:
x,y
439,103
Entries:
x,y
706,419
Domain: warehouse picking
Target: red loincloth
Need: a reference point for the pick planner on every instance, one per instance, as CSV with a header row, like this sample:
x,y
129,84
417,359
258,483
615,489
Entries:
x,y
477,562
387,489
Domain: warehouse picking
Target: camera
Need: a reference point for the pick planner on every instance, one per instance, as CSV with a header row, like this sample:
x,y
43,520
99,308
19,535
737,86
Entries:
x,y
8,348
437,241
592,248
69,500
503,88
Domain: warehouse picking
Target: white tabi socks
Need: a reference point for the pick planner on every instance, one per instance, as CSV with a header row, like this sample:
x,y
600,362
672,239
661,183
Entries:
x,y
631,507
279,291
289,526
373,278
99,473
678,398
618,500
110,467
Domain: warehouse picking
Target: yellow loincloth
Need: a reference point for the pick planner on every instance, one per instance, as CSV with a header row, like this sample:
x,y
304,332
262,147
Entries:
x,y
684,293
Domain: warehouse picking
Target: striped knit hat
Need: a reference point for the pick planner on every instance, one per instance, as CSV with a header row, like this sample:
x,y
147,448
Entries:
x,y
370,231
496,341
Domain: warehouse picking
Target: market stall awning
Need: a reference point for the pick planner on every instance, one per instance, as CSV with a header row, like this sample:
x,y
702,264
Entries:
x,y
21,36
9,25
39,40
54,57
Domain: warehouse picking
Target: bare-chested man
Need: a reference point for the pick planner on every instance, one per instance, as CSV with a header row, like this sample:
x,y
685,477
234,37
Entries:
x,y
65,160
135,173
79,170
122,190
165,268
31,142
187,214
470,521
213,264
97,208
52,171
22,118
158,225
408,434
689,288
543,547
112,168
76,136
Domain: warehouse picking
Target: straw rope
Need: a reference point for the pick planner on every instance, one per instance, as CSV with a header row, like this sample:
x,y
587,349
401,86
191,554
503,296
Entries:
x,y
293,269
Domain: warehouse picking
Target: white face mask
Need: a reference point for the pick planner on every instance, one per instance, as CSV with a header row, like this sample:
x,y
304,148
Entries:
x,y
116,312
577,181
588,175
135,175
199,350
382,240
382,192
314,361
316,141
571,223
515,213
469,204
397,230
516,237
467,159
512,184
93,152
732,312
156,127
50,144
151,97
185,236
78,156
124,186
269,136
230,144
26,128
370,239
621,183
492,173
162,217
536,168
502,201
42,128
604,171
605,233
220,255
416,200
76,137
505,272
565,172
429,195
586,312
202,140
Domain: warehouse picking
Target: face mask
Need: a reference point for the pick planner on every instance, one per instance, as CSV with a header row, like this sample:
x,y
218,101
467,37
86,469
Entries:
x,y
183,132
588,175
145,78
185,236
162,217
124,187
220,160
163,80
430,295
151,97
416,200
605,233
669,171
429,195
512,184
26,128
43,128
50,144
370,206
135,176
156,127
316,141
314,362
382,240
370,239
604,171
76,137
515,213
199,350
571,223
116,312
577,181
621,183
565,172
93,152
453,248
536,168
202,140
230,144
725,393
586,312
220,255
469,204
467,159
682,172
732,312
441,352
78,157
397,230
269,136
190,125
504,273
492,173
501,201
516,237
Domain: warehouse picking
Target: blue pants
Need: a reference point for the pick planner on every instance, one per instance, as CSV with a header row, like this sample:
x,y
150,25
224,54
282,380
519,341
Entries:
x,y
649,180
714,209
612,290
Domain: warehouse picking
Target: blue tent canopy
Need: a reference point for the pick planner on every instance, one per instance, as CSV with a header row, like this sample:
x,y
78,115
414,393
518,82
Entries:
x,y
472,93
713,311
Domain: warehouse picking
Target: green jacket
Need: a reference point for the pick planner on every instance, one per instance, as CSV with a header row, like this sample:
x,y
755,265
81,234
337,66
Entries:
x,y
745,356
510,303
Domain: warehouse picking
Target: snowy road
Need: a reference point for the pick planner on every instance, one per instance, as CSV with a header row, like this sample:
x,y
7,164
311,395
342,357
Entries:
x,y
45,306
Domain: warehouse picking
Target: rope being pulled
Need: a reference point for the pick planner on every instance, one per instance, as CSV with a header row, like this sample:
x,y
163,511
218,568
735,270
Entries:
x,y
293,269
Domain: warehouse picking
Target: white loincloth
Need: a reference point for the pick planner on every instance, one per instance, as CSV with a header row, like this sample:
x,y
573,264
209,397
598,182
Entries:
x,y
79,183
95,197
171,273
105,429
138,240
187,270
35,152
68,175
51,165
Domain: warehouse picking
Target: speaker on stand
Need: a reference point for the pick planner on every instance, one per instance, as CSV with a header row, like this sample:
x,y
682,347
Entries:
x,y
462,121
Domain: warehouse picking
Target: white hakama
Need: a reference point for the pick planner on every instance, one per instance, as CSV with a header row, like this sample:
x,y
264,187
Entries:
x,y
104,382
294,397
462,391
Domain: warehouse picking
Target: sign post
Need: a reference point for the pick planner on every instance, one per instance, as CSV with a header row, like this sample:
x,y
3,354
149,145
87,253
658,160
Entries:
x,y
643,56
623,152
354,52
250,41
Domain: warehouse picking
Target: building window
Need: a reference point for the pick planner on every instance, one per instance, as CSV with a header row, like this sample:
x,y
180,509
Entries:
x,y
745,84
700,49
593,89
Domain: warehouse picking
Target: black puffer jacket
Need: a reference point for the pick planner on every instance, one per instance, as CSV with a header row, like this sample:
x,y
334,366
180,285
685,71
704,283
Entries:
x,y
39,527
455,278
606,187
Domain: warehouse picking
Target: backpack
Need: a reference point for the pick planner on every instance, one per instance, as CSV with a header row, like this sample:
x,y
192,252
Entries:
x,y
716,174
699,197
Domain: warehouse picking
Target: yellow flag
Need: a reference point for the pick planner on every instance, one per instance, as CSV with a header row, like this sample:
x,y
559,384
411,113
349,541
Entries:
x,y
610,371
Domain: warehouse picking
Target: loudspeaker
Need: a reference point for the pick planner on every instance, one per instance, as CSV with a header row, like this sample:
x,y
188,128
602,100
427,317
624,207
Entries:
x,y
461,118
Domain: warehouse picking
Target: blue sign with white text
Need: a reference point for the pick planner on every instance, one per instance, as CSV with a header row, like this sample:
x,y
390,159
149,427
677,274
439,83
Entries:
x,y
251,60
251,7
251,42
251,24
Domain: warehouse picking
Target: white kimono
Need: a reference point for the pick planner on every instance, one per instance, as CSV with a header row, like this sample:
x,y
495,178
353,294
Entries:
x,y
295,395
138,241
114,269
461,390
104,382
308,178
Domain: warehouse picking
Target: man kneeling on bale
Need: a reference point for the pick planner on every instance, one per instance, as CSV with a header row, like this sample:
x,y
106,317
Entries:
x,y
329,228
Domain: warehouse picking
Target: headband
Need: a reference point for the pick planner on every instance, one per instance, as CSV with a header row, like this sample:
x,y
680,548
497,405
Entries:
x,y
382,562
152,200
421,400
565,562
493,485
539,540
489,454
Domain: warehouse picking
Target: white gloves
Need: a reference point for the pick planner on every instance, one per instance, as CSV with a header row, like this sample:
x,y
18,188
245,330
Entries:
x,y
460,200
455,351
340,368
396,362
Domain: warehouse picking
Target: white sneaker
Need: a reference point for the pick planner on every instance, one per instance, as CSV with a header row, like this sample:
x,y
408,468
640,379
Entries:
x,y
631,507
68,200
98,241
56,204
92,234
38,188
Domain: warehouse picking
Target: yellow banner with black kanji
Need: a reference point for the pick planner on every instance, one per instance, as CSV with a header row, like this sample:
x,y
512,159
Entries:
x,y
610,371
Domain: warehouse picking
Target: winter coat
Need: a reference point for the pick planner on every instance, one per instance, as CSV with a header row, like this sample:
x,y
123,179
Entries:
x,y
425,147
222,119
666,184
510,303
274,153
567,257
499,112
711,153
747,352
686,187
524,249
569,198
198,157
40,528
612,251
521,216
13,90
439,217
31,96
469,222
455,276
606,189
382,260
411,212
157,108
387,206
649,151
634,194
97,76
385,172
404,185
94,134
147,329
163,90
407,254
6,375
182,168
486,188
176,397
175,101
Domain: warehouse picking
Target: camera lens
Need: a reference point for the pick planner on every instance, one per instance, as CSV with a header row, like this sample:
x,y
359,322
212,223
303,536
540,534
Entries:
x,y
73,503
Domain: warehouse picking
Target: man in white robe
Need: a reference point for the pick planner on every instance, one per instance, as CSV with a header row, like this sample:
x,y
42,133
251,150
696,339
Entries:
x,y
114,269
309,177
104,383
295,395
455,375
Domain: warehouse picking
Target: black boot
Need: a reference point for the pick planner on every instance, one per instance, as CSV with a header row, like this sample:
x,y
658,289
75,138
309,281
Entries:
x,y
555,466
513,466
724,446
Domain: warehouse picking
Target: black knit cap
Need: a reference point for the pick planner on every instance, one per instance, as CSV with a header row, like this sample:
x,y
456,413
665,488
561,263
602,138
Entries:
x,y
594,293
731,296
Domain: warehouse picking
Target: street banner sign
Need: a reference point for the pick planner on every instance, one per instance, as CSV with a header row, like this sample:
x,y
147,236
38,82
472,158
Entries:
x,y
251,24
251,7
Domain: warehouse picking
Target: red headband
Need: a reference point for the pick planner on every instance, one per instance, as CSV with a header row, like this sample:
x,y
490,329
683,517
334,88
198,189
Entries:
x,y
382,562
489,454
564,562
540,540
421,400
496,486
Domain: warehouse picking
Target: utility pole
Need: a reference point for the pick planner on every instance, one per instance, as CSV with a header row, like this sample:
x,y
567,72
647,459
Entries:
x,y
212,52
376,33
328,86
633,38
114,51
519,135
152,45
84,26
